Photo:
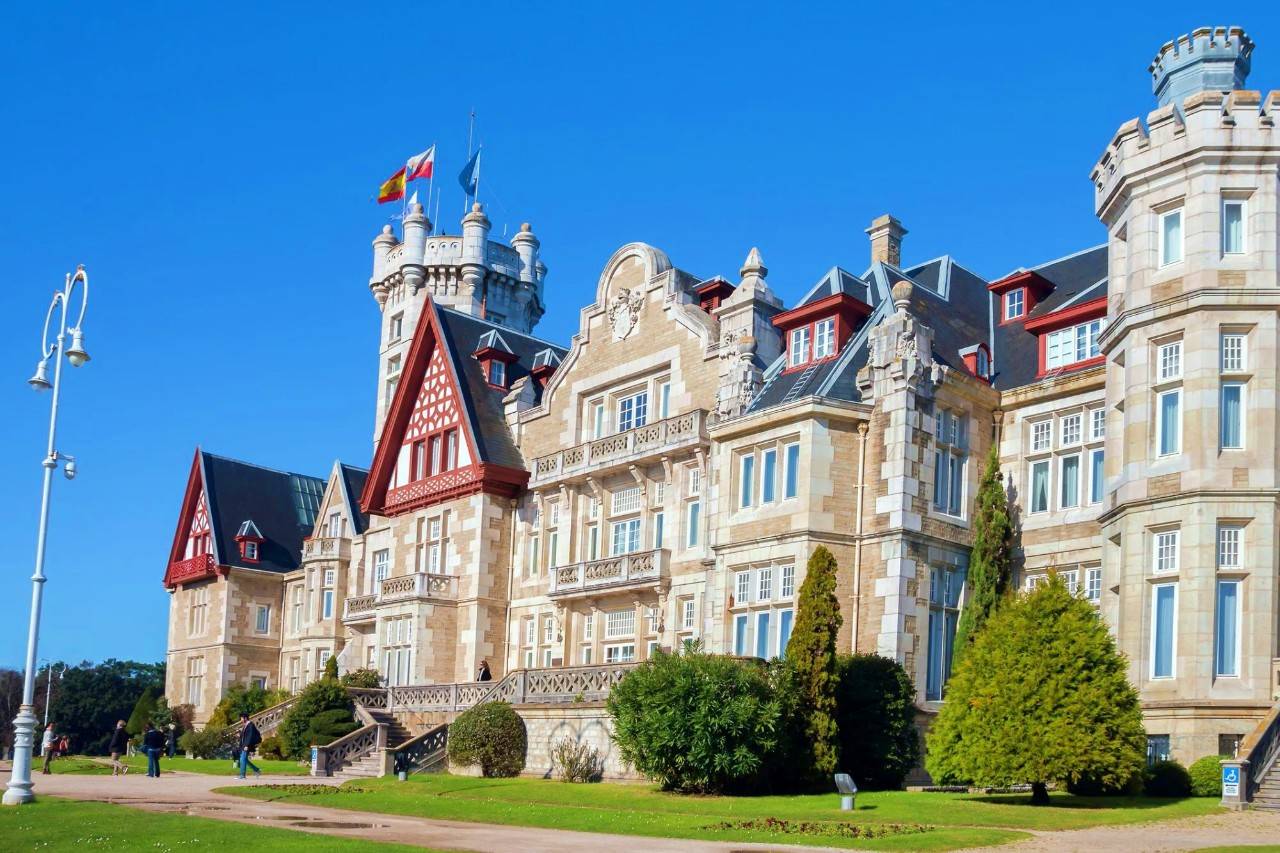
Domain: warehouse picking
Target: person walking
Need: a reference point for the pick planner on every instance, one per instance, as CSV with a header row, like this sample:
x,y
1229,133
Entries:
x,y
118,747
171,740
484,674
250,737
153,745
48,744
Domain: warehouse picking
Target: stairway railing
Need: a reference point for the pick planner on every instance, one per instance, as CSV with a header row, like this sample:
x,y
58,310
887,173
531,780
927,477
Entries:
x,y
1257,757
422,752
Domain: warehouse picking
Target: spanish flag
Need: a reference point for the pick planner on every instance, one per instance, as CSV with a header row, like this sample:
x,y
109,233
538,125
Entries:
x,y
393,188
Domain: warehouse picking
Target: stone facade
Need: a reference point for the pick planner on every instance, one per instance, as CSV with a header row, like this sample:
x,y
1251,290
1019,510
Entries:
x,y
665,477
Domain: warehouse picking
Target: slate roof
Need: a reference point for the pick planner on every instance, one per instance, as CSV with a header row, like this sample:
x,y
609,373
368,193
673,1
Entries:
x,y
353,482
483,402
836,281
282,505
1078,277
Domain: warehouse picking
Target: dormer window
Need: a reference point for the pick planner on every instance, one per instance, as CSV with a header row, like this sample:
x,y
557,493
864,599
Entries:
x,y
498,374
798,352
250,540
1014,304
824,338
1073,344
984,364
251,551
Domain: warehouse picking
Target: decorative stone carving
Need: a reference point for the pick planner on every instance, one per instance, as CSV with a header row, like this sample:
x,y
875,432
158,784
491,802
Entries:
x,y
624,312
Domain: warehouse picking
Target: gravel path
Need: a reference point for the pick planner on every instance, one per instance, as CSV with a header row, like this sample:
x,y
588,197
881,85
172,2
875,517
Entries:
x,y
1194,833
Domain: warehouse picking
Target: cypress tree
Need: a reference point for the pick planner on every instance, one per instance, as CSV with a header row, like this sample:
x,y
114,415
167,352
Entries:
x,y
811,665
331,668
1040,696
143,710
989,562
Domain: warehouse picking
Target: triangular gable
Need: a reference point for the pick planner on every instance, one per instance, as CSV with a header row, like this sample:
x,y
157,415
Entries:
x,y
194,553
428,405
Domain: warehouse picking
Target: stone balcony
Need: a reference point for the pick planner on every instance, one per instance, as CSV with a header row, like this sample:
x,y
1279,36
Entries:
x,y
417,586
361,608
658,438
642,569
326,548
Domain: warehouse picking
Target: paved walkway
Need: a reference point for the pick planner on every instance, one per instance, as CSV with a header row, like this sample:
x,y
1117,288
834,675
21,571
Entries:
x,y
190,793
193,794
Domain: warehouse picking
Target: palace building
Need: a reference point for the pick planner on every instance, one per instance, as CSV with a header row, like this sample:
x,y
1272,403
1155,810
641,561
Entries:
x,y
664,475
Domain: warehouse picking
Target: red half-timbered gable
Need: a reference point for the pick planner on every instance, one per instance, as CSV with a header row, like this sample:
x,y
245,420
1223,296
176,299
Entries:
x,y
192,556
427,452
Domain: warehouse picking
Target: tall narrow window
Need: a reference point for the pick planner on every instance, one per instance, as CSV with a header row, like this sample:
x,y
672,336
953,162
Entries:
x,y
742,588
1170,237
1231,416
1229,547
945,585
798,352
1164,605
784,630
553,549
1097,424
633,411
764,584
664,400
1093,585
658,521
769,475
1169,422
1040,486
1096,477
1226,655
1169,361
747,481
762,634
792,480
1232,227
695,520
740,635
533,556
1013,302
597,420
1069,482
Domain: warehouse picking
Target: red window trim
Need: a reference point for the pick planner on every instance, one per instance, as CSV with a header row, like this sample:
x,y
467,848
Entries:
x,y
1094,309
422,455
1028,302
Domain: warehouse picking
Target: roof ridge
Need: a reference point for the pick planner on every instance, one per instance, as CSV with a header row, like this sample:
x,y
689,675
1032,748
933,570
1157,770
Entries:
x,y
500,328
1076,298
260,467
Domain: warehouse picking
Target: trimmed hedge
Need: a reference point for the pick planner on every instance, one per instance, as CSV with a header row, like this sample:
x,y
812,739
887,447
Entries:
x,y
1206,776
1168,779
492,736
875,711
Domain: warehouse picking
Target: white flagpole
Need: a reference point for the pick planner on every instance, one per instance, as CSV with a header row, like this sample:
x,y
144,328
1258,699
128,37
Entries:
x,y
431,182
438,194
479,157
471,129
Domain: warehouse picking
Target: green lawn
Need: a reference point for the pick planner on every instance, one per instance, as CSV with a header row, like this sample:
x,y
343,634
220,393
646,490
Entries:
x,y
138,764
953,820
51,823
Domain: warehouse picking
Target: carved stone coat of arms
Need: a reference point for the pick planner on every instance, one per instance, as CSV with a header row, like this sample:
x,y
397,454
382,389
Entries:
x,y
624,311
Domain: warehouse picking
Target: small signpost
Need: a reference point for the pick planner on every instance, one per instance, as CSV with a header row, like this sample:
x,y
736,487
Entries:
x,y
848,790
1230,781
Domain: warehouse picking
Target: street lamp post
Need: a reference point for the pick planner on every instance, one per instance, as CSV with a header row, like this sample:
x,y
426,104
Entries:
x,y
48,689
19,788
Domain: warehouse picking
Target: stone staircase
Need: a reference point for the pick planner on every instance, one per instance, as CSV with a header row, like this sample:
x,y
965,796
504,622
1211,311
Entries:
x,y
1267,795
396,731
1255,768
368,767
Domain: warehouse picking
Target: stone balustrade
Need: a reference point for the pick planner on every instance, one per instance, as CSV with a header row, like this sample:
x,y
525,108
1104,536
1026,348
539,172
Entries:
x,y
359,607
534,686
639,568
418,585
326,547
623,448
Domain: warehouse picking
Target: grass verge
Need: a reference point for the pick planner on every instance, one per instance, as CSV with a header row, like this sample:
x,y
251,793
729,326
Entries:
x,y
89,765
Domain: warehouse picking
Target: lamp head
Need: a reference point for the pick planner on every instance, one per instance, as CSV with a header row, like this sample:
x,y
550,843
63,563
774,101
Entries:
x,y
40,379
69,470
76,354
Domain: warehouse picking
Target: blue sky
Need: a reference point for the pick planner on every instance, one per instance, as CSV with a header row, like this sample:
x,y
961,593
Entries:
x,y
214,169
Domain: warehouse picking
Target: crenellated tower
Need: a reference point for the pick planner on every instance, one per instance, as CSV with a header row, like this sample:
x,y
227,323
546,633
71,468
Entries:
x,y
467,272
1189,201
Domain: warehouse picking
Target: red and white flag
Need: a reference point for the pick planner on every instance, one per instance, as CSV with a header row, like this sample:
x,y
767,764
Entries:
x,y
422,165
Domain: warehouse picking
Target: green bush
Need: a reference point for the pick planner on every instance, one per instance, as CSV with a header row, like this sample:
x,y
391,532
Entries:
x,y
490,735
238,699
1088,786
143,710
209,742
328,726
1206,776
576,762
271,747
875,715
696,722
361,678
1167,779
296,730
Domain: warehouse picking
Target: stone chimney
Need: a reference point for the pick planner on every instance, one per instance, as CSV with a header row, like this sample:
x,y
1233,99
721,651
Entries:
x,y
886,235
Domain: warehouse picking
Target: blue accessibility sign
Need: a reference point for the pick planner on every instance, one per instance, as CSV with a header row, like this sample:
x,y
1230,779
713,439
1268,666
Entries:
x,y
1231,775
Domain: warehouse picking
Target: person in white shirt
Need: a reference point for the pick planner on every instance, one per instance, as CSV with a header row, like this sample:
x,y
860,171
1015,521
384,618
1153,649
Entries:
x,y
46,746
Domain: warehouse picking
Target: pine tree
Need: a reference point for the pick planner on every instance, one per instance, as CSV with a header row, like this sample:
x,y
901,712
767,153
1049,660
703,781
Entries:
x,y
1040,696
331,668
811,665
143,710
989,562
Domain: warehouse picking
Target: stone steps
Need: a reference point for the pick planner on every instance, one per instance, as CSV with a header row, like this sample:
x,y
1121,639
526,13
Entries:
x,y
364,768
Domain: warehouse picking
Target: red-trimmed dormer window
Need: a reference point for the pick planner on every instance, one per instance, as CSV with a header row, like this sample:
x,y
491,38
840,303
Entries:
x,y
977,360
498,373
1015,302
820,329
1069,338
250,540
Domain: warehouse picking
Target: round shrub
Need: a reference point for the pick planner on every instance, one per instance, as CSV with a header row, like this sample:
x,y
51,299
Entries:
x,y
695,722
490,735
1167,779
361,678
875,711
1206,776
297,732
209,742
271,747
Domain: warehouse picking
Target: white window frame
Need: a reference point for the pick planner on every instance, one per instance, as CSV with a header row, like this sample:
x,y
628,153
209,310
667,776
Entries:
x,y
1217,618
1169,361
693,524
1222,411
746,480
1097,477
769,475
764,583
1093,583
629,543
620,623
1173,628
1097,424
620,653
1230,546
1244,230
1041,436
1165,543
1160,424
1237,361
787,587
1014,301
688,614
638,415
824,338
798,346
791,470
251,550
1164,256
1031,486
1062,481
742,587
262,620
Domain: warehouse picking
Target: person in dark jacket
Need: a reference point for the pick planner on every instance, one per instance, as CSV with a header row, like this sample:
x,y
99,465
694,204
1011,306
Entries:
x,y
171,740
119,746
250,737
153,745
484,674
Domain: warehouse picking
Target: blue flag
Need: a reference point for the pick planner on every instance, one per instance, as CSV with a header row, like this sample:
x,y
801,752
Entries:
x,y
468,177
